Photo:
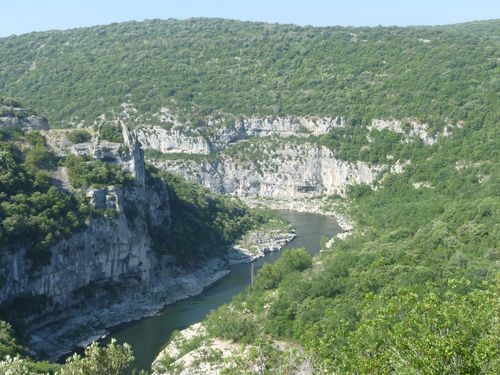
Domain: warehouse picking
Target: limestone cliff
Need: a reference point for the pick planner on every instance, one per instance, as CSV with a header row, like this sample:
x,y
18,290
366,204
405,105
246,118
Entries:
x,y
275,170
110,272
180,139
411,128
172,141
13,114
107,273
270,157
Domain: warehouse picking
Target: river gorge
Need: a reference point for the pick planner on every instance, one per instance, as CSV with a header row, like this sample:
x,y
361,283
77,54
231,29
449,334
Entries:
x,y
148,336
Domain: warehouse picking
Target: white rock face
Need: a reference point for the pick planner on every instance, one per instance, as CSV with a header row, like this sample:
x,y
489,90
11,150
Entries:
x,y
172,141
106,250
422,184
284,171
289,126
179,140
109,249
229,353
416,129
399,166
107,273
22,119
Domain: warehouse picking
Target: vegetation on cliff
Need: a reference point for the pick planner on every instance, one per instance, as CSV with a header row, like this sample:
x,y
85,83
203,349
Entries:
x,y
78,136
33,212
203,223
415,289
85,172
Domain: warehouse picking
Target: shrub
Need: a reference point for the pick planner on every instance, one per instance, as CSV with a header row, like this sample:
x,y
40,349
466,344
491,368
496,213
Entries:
x,y
111,133
78,136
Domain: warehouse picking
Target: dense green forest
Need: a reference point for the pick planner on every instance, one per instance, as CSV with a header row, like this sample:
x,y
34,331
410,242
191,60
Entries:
x,y
33,212
202,222
214,67
415,289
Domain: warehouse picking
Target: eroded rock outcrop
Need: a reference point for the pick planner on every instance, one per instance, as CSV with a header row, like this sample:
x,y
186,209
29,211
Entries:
x,y
180,139
14,115
282,171
411,128
113,250
109,273
172,141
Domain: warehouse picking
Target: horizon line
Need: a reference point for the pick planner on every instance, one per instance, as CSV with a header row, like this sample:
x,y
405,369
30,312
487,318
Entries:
x,y
246,21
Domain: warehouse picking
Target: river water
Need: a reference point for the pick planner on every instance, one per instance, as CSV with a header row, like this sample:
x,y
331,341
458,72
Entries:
x,y
150,335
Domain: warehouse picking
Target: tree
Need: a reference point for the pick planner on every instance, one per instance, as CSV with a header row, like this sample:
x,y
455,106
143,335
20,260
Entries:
x,y
110,360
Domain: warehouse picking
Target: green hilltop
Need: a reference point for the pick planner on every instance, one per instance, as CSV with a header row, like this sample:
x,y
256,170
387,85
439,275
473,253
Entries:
x,y
222,68
415,288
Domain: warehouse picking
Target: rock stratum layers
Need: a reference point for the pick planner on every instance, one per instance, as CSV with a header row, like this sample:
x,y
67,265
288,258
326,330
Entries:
x,y
108,273
265,157
287,171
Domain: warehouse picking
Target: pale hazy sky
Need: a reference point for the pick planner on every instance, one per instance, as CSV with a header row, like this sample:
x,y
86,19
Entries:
x,y
22,16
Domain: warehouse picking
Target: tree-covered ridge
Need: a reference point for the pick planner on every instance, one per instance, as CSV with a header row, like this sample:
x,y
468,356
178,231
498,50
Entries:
x,y
414,290
33,212
38,208
215,67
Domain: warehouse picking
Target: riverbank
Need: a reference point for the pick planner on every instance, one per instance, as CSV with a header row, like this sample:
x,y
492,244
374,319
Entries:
x,y
193,349
271,237
319,205
78,327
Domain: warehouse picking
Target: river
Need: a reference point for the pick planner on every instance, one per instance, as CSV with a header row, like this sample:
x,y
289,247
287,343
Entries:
x,y
150,335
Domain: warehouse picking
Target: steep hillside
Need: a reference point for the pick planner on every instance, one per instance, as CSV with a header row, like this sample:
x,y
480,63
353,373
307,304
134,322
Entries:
x,y
91,237
414,290
212,68
398,126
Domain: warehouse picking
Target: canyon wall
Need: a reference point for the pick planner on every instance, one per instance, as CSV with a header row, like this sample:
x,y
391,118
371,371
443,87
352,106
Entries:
x,y
285,171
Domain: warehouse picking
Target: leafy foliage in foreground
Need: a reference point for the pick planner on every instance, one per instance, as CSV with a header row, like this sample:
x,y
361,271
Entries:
x,y
201,67
445,333
111,360
8,345
415,289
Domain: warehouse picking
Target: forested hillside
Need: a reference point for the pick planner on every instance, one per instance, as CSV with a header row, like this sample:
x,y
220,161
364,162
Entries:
x,y
414,290
415,287
48,202
222,68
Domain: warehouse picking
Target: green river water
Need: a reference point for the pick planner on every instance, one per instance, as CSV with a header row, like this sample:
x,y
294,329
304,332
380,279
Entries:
x,y
150,335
